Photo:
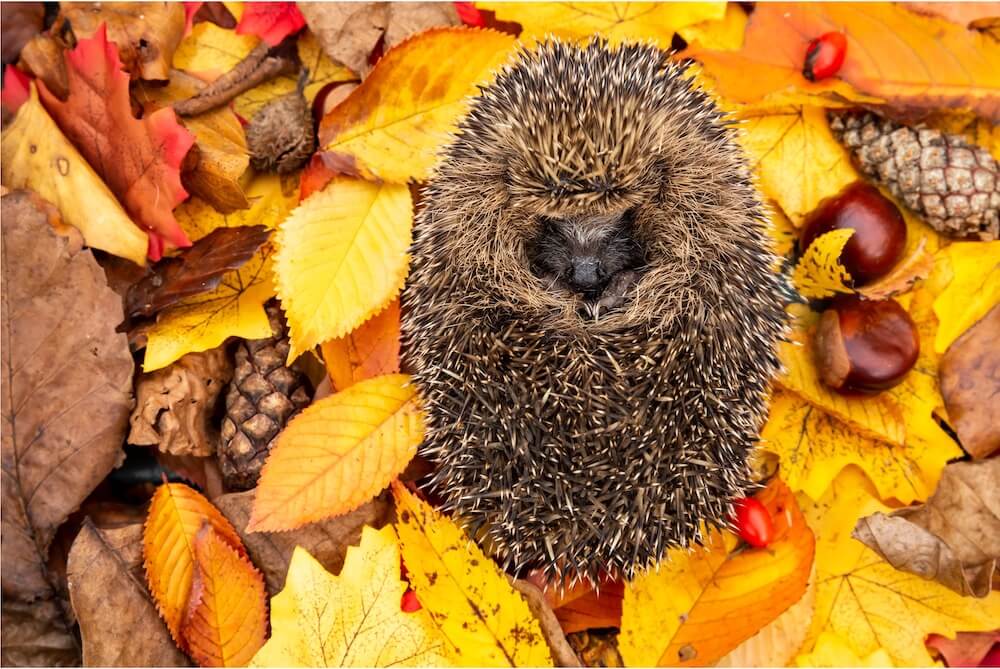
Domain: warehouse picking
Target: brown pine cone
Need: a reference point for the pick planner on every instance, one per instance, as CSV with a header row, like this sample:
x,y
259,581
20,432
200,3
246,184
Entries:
x,y
262,398
281,136
953,185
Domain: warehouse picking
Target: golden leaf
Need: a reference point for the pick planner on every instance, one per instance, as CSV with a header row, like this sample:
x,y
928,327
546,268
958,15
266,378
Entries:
x,y
832,651
697,605
226,619
819,273
370,350
391,126
350,620
338,453
486,622
235,308
869,604
342,258
973,290
176,514
797,158
725,34
38,156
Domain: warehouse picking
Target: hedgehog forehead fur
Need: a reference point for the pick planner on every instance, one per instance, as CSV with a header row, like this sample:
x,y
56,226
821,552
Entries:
x,y
590,445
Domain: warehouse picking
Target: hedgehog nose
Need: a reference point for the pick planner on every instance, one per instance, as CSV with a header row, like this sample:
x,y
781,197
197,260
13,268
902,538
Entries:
x,y
586,276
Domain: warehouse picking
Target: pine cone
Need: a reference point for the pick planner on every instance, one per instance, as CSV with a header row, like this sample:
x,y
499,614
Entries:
x,y
952,185
281,136
262,397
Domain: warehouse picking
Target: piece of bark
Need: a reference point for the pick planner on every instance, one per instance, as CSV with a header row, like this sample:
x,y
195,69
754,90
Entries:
x,y
119,624
970,385
562,653
954,538
327,540
175,405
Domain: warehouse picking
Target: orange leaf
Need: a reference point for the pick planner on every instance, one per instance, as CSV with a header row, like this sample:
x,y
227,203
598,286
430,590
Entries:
x,y
699,605
338,453
369,351
226,619
176,514
917,64
581,607
138,159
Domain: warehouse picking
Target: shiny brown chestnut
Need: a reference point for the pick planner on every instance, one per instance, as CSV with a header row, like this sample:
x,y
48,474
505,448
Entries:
x,y
865,346
879,230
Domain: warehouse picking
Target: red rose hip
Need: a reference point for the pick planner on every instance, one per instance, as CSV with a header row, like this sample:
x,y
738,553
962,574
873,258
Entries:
x,y
753,522
824,56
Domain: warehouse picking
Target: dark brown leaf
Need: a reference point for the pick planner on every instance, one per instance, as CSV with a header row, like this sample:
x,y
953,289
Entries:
x,y
970,385
196,270
21,21
118,619
954,538
217,13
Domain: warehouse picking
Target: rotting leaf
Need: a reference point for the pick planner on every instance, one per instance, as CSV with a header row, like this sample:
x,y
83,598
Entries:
x,y
954,538
119,624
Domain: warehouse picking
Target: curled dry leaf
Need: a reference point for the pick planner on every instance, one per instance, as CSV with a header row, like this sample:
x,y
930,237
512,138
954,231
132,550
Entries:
x,y
67,388
369,351
366,628
119,625
954,538
917,265
484,620
970,384
175,405
326,540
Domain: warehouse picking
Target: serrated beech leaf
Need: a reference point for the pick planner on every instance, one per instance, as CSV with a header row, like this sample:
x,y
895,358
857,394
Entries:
x,y
370,350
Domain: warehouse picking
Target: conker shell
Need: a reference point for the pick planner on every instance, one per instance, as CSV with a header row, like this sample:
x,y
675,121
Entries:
x,y
879,230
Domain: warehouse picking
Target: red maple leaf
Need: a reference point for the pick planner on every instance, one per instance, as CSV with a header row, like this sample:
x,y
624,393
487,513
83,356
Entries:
x,y
271,21
139,159
15,88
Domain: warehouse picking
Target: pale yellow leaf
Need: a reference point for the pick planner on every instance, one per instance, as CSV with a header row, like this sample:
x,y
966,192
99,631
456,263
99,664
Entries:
x,y
973,290
342,258
832,651
819,273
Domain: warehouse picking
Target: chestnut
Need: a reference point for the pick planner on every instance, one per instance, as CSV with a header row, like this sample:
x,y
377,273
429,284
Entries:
x,y
865,346
879,230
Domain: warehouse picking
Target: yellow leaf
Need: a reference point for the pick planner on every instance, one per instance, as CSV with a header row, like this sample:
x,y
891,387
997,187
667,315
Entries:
x,y
392,125
350,620
235,308
832,651
724,34
797,158
38,156
486,622
814,447
697,605
339,453
342,258
617,21
871,605
819,273
973,290
226,619
176,514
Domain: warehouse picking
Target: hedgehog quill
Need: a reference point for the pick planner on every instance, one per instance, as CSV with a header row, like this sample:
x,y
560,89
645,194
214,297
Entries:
x,y
592,313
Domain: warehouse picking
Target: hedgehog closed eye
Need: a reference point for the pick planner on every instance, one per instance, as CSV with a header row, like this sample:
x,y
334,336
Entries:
x,y
592,313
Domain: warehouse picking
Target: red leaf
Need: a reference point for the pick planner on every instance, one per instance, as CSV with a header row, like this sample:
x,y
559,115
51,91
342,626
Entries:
x,y
139,159
190,9
469,15
271,21
315,176
15,89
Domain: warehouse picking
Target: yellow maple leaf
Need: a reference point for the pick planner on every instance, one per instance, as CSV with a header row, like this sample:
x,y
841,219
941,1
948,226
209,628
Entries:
x,y
699,604
814,447
832,651
973,289
725,34
339,453
617,21
342,258
819,273
350,620
36,155
870,605
486,622
797,158
392,125
235,308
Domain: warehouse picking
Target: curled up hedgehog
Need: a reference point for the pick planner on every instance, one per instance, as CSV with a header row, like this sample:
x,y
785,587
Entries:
x,y
592,313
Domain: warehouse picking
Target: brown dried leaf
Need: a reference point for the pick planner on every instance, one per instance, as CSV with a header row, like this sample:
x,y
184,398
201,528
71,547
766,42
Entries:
x,y
42,57
327,540
66,391
196,270
914,267
36,634
119,624
175,404
954,538
970,385
410,18
21,22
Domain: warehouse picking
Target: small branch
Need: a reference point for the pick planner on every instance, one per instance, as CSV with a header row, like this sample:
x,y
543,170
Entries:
x,y
562,652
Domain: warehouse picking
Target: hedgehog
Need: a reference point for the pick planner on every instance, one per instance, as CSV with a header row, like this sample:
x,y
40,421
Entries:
x,y
592,314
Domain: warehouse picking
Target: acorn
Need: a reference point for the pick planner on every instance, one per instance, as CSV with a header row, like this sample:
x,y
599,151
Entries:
x,y
865,346
879,237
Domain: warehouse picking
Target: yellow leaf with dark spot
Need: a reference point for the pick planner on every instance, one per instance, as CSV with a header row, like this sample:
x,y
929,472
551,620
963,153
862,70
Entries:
x,y
819,273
